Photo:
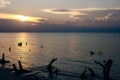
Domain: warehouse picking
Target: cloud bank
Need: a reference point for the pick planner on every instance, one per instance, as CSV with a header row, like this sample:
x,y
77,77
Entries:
x,y
89,16
78,12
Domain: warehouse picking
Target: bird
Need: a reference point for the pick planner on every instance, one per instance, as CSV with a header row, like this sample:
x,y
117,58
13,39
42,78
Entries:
x,y
91,52
20,44
10,48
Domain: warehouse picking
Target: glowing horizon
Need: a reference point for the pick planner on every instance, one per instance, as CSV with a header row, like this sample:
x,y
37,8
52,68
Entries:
x,y
20,17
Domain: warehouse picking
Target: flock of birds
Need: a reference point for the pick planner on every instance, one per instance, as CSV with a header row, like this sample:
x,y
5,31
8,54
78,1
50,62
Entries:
x,y
17,70
92,53
20,44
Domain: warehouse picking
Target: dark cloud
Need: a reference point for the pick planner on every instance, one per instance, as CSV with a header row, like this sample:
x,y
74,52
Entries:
x,y
18,26
61,10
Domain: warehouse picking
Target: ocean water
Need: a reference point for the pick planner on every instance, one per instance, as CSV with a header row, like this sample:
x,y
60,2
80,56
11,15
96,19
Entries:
x,y
71,49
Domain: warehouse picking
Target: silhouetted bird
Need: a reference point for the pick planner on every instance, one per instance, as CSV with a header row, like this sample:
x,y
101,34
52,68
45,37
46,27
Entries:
x,y
41,46
20,57
26,43
20,44
91,52
10,48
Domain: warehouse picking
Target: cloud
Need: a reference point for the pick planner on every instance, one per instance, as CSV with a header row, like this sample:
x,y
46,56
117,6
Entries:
x,y
100,14
81,11
88,16
91,13
103,18
71,12
95,9
13,25
22,18
4,3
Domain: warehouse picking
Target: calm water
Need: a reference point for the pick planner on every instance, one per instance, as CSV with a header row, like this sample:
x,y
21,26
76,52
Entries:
x,y
71,49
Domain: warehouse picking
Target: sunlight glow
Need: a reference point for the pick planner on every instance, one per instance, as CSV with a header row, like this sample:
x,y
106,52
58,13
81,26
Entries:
x,y
21,17
27,18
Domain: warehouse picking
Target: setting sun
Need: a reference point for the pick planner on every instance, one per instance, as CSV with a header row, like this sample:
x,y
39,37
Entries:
x,y
23,18
27,18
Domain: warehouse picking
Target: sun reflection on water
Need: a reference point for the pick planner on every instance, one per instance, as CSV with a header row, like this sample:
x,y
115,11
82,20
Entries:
x,y
24,50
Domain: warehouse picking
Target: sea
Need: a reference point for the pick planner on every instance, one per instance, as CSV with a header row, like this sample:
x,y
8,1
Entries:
x,y
72,51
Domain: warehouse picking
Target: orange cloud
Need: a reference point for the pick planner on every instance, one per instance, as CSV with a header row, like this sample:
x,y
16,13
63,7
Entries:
x,y
21,17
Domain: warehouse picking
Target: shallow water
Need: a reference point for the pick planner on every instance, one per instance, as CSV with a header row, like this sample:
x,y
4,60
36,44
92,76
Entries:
x,y
71,49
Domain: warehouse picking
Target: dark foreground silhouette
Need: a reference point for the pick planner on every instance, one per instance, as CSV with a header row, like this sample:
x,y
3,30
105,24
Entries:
x,y
106,68
55,74
3,61
20,70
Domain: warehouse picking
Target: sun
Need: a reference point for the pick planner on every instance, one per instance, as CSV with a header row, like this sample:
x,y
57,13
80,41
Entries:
x,y
22,18
27,18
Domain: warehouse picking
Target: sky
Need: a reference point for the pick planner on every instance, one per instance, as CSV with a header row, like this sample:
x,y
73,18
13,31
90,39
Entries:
x,y
60,15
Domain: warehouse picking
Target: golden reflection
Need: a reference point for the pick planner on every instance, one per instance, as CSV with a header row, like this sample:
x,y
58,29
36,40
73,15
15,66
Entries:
x,y
22,37
73,45
24,49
